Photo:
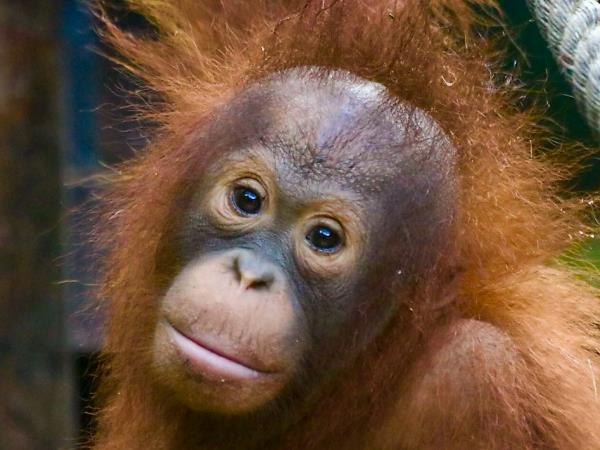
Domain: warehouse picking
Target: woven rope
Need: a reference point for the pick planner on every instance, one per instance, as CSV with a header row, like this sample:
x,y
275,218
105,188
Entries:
x,y
572,29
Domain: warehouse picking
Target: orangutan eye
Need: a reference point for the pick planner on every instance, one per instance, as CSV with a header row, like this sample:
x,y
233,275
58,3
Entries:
x,y
324,239
246,201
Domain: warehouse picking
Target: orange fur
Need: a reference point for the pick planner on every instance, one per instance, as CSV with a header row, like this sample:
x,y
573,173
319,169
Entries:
x,y
512,222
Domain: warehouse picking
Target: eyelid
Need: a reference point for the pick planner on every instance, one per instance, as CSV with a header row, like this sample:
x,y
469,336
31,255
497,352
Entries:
x,y
222,212
327,221
252,183
323,263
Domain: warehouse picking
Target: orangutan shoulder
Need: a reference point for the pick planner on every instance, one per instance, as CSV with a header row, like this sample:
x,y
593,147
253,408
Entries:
x,y
464,390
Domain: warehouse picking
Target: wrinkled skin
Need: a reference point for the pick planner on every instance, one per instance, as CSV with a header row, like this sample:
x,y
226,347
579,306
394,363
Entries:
x,y
257,313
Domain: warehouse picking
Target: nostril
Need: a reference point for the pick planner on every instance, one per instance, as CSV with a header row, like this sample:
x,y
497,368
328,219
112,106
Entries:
x,y
252,279
236,268
259,283
252,273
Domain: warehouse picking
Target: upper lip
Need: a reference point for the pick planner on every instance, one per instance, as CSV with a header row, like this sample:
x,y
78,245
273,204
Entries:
x,y
241,360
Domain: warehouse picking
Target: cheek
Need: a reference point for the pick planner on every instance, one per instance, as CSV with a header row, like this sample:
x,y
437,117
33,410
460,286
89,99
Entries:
x,y
350,314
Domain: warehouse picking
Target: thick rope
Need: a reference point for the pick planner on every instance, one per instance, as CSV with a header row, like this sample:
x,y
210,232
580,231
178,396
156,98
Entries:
x,y
572,29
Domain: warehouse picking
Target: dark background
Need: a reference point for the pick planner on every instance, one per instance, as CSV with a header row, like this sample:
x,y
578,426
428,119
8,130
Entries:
x,y
59,125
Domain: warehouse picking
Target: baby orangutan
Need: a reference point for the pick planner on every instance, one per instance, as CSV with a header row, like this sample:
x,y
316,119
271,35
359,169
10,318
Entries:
x,y
338,238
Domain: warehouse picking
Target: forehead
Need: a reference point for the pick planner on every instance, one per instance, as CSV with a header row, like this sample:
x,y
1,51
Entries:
x,y
320,128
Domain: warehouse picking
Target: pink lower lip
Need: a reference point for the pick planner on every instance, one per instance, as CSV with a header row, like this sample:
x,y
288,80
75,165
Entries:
x,y
208,361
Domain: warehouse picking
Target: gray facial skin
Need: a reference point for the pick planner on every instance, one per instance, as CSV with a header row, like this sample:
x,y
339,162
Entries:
x,y
319,148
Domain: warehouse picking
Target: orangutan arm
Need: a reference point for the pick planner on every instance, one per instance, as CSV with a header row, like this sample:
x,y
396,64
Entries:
x,y
464,394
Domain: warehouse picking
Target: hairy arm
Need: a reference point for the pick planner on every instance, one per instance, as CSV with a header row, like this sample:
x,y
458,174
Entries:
x,y
465,393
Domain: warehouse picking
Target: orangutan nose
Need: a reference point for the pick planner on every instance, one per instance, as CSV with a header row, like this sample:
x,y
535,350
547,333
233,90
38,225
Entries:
x,y
252,272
